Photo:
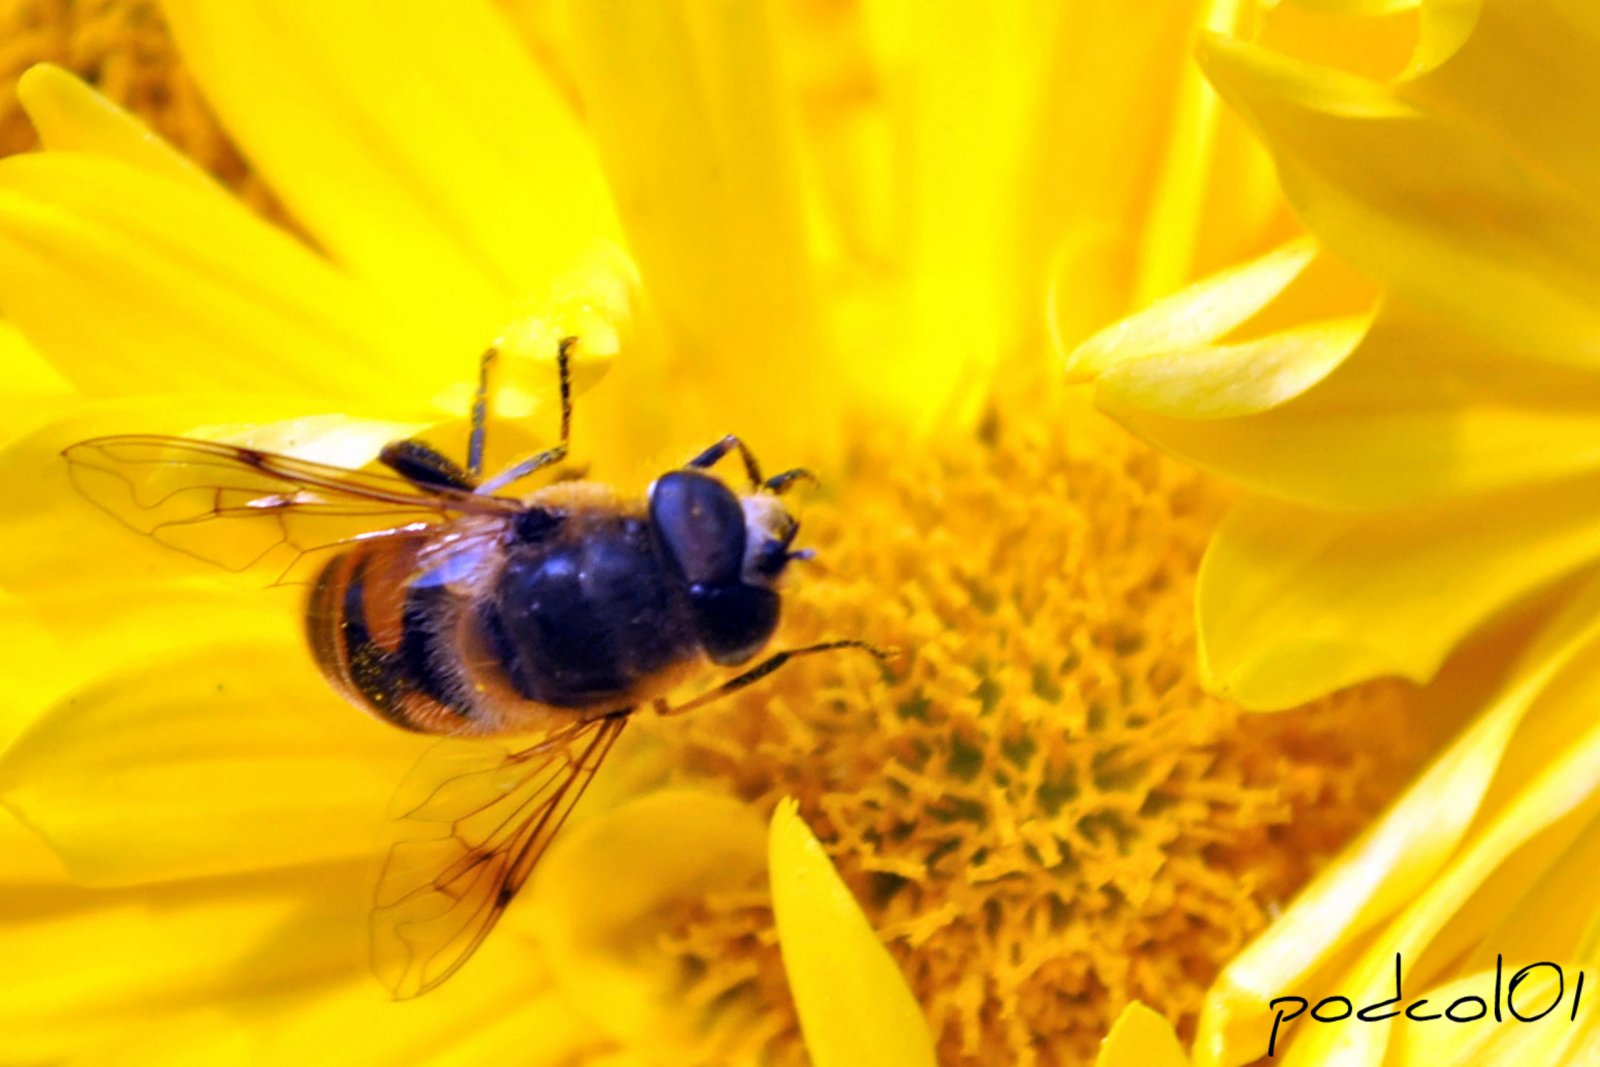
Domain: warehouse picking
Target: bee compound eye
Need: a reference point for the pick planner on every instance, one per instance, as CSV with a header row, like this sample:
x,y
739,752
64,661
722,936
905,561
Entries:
x,y
702,525
734,621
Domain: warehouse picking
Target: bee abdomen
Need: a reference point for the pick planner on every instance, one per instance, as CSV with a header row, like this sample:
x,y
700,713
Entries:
x,y
374,641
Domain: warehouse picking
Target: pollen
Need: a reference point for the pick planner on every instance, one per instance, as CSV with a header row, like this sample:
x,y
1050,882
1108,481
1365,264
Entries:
x,y
1042,813
125,50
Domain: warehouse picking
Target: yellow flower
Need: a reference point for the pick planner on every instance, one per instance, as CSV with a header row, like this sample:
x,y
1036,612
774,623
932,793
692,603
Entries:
x,y
1411,402
828,228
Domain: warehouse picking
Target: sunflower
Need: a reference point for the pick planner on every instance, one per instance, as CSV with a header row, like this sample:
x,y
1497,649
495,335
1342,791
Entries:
x,y
1410,401
827,227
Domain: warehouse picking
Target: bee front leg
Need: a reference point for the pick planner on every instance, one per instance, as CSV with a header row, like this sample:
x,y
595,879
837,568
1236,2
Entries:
x,y
710,456
778,484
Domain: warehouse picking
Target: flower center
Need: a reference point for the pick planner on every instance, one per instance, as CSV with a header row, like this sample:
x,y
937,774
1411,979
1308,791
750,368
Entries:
x,y
1045,816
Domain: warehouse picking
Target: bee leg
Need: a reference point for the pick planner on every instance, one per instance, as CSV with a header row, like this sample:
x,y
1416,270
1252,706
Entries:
x,y
424,466
480,413
537,462
779,483
767,666
521,469
710,456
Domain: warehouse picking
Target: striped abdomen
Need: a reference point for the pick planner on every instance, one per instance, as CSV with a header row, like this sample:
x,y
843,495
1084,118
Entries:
x,y
388,644
503,630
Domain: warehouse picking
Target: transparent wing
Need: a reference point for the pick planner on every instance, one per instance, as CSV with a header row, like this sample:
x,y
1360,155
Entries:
x,y
243,509
474,820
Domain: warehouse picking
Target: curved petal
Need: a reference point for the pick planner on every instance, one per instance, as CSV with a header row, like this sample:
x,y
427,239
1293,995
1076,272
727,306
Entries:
x,y
1515,78
1559,802
1479,781
503,1008
1134,178
1559,1040
854,1004
50,639
102,555
1293,603
88,968
212,761
29,379
1229,381
1141,1038
1467,416
428,155
190,292
682,102
1192,317
69,116
1428,204
599,930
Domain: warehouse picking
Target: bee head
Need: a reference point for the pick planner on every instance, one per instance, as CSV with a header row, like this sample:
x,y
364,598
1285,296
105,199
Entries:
x,y
730,552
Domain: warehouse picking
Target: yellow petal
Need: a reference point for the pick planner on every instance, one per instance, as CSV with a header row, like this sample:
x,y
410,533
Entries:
x,y
1561,800
1196,316
1428,205
501,1008
1177,212
1510,69
1141,1038
1133,178
427,154
53,639
87,967
1294,603
1402,857
1227,381
29,379
104,555
1361,7
190,292
1551,918
600,930
1468,416
227,758
32,660
683,106
27,861
1554,1039
974,70
854,1004
71,117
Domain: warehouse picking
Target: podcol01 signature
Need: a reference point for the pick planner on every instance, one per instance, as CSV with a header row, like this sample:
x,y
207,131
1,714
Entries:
x,y
1527,995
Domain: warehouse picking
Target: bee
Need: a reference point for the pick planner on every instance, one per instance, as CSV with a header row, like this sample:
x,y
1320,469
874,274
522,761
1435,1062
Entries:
x,y
443,605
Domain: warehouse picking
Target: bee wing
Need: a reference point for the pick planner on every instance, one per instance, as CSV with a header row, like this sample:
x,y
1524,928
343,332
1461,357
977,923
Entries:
x,y
474,821
244,509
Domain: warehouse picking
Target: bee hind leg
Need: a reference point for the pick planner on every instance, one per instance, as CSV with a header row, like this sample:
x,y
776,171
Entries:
x,y
425,466
768,666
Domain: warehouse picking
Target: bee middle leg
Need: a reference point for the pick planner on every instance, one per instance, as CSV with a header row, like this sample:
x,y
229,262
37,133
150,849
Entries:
x,y
768,666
